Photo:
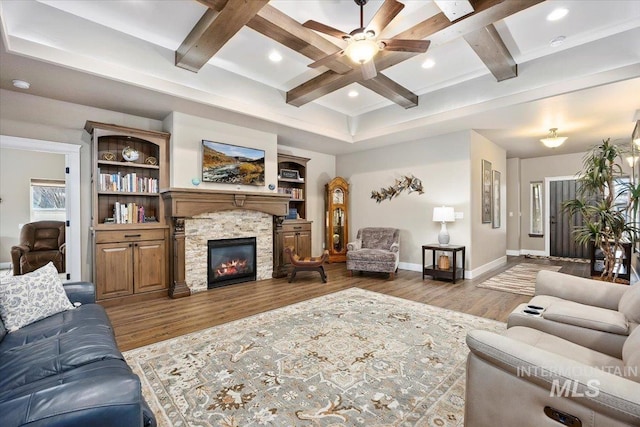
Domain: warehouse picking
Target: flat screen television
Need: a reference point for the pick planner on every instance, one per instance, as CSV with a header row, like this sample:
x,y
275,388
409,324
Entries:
x,y
231,164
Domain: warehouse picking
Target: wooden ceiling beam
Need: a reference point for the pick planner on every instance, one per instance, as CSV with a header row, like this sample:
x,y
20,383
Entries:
x,y
486,12
384,86
214,29
287,31
489,46
454,10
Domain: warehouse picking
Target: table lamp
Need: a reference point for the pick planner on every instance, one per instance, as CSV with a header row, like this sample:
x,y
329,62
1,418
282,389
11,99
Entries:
x,y
443,215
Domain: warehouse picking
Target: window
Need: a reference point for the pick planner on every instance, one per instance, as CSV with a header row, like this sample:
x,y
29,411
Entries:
x,y
48,200
536,229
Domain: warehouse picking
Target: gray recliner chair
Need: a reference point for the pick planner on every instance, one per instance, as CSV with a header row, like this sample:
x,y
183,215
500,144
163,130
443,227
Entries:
x,y
572,358
375,249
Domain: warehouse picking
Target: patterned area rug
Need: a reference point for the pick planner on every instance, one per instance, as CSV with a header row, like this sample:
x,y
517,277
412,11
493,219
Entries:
x,y
352,358
519,279
559,258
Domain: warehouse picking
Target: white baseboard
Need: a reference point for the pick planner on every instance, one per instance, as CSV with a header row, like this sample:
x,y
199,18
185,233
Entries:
x,y
484,268
5,265
409,266
532,252
511,252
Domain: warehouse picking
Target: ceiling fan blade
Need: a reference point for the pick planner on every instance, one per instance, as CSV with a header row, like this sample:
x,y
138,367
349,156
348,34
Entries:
x,y
406,45
327,59
322,28
369,70
389,10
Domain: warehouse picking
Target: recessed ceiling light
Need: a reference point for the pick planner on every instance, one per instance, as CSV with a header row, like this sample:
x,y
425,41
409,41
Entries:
x,y
429,63
275,56
353,93
557,14
557,41
21,84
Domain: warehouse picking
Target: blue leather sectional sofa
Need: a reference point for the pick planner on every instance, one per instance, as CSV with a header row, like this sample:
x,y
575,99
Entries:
x,y
66,370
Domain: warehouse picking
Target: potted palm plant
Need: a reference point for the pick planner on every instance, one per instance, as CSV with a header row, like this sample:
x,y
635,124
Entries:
x,y
607,204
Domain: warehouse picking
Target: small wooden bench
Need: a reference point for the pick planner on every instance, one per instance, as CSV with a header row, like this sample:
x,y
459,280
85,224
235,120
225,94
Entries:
x,y
306,264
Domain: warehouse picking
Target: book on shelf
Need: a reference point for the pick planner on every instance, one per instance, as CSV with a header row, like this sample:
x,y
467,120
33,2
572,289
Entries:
x,y
129,183
295,193
128,213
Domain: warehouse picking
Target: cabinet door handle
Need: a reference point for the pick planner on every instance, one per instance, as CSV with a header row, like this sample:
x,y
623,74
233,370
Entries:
x,y
132,235
130,245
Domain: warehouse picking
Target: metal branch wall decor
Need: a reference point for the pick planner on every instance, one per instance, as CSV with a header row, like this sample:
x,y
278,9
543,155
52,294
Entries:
x,y
409,183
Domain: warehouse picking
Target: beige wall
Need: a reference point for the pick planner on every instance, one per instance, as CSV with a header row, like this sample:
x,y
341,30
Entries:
x,y
489,245
17,168
46,119
513,205
442,163
537,169
320,170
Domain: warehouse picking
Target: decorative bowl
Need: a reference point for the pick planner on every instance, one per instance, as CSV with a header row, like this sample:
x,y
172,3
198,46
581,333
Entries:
x,y
130,154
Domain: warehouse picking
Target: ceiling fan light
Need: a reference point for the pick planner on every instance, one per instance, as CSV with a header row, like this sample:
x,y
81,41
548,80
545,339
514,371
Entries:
x,y
553,140
361,51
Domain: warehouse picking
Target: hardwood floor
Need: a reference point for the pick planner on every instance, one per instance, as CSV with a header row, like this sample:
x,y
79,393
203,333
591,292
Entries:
x,y
139,324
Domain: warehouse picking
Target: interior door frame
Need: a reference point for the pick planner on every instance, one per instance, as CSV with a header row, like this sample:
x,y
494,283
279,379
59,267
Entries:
x,y
71,153
547,208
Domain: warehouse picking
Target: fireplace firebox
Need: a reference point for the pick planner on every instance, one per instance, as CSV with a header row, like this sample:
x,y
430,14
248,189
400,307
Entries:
x,y
231,261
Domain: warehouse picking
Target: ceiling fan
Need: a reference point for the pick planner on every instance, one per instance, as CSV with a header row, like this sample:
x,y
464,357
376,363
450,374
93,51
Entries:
x,y
364,43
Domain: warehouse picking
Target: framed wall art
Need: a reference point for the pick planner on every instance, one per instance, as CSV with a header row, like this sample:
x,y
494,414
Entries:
x,y
495,192
232,164
486,191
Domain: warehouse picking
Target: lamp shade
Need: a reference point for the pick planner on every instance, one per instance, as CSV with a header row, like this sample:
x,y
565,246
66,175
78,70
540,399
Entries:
x,y
553,140
361,51
444,214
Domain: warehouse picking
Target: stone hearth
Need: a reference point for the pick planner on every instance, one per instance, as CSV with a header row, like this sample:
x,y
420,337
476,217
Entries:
x,y
199,215
226,225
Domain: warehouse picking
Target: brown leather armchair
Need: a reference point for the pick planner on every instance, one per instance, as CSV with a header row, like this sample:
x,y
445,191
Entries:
x,y
40,242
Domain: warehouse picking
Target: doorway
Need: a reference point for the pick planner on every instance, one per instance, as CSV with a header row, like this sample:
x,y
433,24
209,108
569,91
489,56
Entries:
x,y
560,241
71,155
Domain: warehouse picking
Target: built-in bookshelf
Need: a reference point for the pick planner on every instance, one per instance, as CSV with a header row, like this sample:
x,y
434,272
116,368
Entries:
x,y
130,235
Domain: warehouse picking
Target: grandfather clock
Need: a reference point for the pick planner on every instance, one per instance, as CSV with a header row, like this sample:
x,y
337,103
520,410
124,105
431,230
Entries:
x,y
337,219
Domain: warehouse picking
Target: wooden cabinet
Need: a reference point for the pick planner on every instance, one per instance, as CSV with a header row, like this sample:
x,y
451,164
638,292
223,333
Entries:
x,y
597,261
130,235
294,230
296,233
337,219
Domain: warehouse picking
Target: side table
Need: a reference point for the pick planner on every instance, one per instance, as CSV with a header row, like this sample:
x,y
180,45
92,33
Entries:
x,y
453,272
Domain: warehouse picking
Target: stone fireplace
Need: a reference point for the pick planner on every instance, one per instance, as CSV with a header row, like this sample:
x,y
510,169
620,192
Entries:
x,y
197,216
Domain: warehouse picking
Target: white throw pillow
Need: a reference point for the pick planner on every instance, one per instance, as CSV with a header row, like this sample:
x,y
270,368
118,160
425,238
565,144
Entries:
x,y
31,297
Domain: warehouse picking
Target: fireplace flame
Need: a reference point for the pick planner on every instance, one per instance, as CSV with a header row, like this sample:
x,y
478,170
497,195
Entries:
x,y
231,267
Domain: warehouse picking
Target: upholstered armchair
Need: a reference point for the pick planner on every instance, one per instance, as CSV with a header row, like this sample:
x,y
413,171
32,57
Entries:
x,y
40,242
375,249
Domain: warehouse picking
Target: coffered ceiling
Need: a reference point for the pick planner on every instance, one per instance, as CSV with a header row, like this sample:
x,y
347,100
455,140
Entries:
x,y
84,51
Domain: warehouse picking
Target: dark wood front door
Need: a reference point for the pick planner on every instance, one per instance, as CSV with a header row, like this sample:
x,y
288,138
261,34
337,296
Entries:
x,y
561,224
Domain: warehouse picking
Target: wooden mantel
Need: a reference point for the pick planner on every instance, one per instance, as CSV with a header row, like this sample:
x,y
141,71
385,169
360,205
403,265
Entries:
x,y
181,203
188,202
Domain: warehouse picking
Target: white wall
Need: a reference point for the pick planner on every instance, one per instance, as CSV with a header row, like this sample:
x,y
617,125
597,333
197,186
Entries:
x,y
441,163
17,168
489,245
46,119
187,133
